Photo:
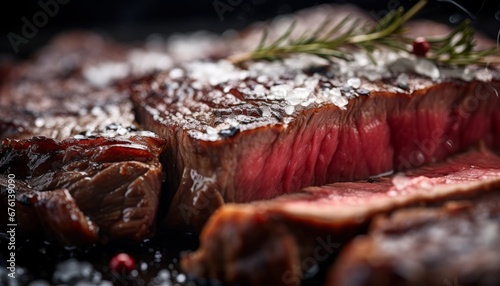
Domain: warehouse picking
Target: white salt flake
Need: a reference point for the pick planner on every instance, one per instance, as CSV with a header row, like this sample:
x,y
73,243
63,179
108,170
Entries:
x,y
427,68
311,83
215,73
354,82
300,79
262,79
212,137
280,91
307,102
335,92
176,73
259,89
266,111
39,122
340,101
484,75
96,110
289,109
105,73
211,130
142,62
197,85
335,96
298,95
467,75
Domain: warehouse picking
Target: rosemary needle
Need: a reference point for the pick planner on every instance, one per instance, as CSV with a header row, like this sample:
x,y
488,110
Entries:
x,y
457,48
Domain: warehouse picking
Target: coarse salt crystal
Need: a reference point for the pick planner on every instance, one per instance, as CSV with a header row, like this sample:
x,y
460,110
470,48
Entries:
x,y
176,73
197,85
354,82
467,75
307,102
96,110
289,109
298,95
266,111
39,122
427,68
262,79
211,130
340,102
212,137
259,89
335,92
300,78
280,91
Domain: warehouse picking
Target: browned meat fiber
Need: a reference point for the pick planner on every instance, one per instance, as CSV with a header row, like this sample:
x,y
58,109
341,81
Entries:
x,y
280,240
243,135
83,190
457,244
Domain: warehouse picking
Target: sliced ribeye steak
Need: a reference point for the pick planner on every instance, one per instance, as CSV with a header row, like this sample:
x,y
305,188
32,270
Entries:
x,y
280,240
75,84
239,135
83,190
49,95
457,244
66,56
61,109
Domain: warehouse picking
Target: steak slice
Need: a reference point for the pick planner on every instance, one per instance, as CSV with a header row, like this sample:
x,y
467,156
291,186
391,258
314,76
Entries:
x,y
73,85
231,129
49,95
457,244
243,135
84,190
66,56
280,240
61,109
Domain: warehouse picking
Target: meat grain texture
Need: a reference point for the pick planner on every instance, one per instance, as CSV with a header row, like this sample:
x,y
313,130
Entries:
x,y
85,190
456,244
286,233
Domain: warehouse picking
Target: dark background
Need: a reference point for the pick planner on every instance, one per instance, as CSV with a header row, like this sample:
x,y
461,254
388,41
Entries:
x,y
129,20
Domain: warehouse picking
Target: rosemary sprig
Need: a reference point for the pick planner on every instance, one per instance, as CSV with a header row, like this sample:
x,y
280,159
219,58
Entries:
x,y
457,48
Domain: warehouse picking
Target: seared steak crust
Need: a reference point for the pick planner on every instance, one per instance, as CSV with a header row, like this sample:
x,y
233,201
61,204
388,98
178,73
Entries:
x,y
84,190
453,245
61,109
243,135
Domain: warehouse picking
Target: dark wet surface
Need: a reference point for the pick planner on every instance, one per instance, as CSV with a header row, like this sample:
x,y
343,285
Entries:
x,y
41,263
